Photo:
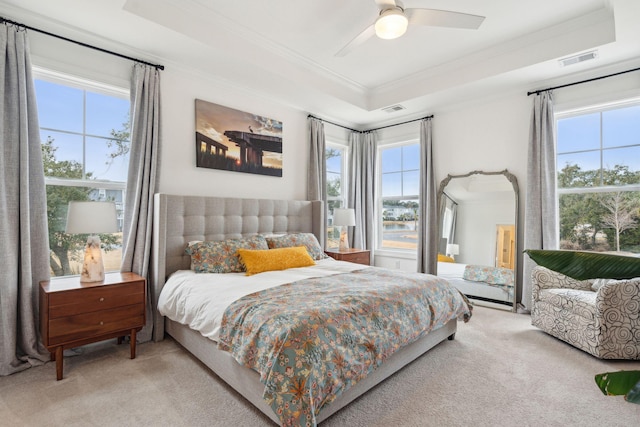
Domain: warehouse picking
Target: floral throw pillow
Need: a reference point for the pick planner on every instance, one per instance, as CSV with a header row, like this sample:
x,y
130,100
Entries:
x,y
222,256
307,240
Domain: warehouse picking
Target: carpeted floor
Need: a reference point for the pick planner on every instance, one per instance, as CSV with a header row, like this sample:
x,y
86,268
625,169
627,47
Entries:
x,y
499,371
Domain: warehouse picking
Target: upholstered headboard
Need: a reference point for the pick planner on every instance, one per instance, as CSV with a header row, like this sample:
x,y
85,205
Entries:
x,y
180,219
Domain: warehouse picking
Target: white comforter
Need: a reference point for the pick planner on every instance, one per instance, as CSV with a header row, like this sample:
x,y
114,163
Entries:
x,y
199,300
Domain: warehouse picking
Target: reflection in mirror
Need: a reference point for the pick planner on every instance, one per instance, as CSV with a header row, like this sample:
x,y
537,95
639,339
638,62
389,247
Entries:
x,y
478,229
505,246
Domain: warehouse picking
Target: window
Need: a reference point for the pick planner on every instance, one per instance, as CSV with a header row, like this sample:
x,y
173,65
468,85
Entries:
x,y
84,131
399,189
598,162
336,198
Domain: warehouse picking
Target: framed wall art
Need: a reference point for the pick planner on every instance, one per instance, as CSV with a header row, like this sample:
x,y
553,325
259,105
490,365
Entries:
x,y
238,141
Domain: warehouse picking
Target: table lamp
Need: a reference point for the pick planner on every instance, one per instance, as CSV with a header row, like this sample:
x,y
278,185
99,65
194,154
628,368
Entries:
x,y
92,218
453,249
344,218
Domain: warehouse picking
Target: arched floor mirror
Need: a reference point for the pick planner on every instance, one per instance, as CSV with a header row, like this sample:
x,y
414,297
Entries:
x,y
478,229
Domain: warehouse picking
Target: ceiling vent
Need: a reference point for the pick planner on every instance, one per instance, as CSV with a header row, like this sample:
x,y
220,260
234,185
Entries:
x,y
394,108
576,59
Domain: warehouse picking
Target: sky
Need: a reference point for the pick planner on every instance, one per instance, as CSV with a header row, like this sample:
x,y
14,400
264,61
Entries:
x,y
618,131
393,161
61,108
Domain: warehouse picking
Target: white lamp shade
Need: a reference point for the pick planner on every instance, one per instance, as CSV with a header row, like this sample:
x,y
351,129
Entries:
x,y
453,249
344,217
91,218
391,24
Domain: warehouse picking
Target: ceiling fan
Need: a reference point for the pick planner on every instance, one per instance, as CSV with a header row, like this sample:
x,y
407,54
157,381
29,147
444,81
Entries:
x,y
394,19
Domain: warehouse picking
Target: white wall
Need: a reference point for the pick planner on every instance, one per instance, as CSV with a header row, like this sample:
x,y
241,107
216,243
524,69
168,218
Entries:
x,y
599,92
178,171
489,135
476,226
179,89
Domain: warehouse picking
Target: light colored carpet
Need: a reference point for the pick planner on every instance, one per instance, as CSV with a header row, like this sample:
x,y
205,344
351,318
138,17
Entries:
x,y
499,371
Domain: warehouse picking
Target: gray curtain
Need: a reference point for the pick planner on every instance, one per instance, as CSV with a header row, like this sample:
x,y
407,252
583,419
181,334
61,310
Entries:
x,y
317,183
360,196
141,181
541,208
24,238
428,218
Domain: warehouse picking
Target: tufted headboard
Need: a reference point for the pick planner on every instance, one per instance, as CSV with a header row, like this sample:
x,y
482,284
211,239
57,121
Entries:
x,y
180,219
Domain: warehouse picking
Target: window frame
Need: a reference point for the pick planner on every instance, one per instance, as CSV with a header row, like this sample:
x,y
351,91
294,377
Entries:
x,y
87,86
380,249
599,108
342,198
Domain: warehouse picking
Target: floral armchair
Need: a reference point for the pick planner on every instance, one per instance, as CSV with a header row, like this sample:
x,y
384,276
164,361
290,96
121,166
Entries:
x,y
599,316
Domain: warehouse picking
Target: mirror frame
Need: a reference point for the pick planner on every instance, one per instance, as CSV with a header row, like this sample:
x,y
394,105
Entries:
x,y
514,182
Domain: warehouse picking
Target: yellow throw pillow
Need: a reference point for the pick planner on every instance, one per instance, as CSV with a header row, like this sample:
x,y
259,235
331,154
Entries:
x,y
444,258
259,261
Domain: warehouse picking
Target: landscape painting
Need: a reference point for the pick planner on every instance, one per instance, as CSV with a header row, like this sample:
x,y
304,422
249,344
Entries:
x,y
235,140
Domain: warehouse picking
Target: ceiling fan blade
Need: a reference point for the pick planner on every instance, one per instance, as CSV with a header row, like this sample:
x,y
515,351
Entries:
x,y
443,18
357,41
385,4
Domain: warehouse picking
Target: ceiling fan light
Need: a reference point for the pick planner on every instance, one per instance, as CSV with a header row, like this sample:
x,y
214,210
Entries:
x,y
391,24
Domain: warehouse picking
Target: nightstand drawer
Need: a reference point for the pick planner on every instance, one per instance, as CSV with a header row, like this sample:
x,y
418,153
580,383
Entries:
x,y
82,326
95,299
360,258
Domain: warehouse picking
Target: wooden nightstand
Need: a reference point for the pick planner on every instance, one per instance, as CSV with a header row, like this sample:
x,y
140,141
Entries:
x,y
74,313
359,256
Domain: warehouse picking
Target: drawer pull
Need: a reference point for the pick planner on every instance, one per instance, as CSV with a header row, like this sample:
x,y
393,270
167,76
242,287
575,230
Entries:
x,y
101,323
101,299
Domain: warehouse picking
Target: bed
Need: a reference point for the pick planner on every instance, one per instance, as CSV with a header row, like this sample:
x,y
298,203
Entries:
x,y
179,220
484,284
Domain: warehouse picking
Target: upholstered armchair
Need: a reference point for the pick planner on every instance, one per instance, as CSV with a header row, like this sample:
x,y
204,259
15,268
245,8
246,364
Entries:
x,y
599,316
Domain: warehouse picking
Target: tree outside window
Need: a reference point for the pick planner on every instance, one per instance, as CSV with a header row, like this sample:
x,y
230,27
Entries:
x,y
598,164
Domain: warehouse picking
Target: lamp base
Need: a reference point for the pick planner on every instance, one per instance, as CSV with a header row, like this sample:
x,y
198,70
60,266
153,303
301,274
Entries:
x,y
344,239
92,267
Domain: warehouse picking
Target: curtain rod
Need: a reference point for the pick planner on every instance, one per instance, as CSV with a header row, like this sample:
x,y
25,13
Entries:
x,y
582,81
3,20
368,130
310,116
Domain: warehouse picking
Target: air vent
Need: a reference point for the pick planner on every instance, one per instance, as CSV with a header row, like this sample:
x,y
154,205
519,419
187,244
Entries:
x,y
576,59
394,108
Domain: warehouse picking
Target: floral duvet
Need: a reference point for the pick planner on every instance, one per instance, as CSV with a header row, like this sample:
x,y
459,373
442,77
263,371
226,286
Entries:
x,y
313,339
